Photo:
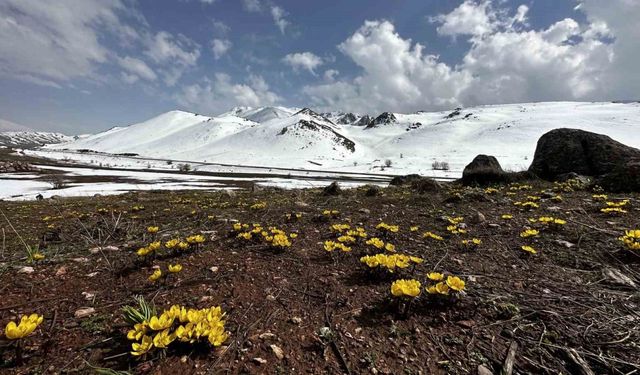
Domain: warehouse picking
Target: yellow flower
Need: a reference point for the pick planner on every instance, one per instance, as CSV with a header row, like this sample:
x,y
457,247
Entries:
x,y
183,245
387,227
139,330
143,347
440,288
175,268
195,239
507,217
375,242
153,229
293,235
435,276
155,275
154,245
237,227
405,288
172,243
414,228
455,283
528,249
432,236
529,233
162,322
38,256
24,328
390,248
143,251
162,339
245,235
631,239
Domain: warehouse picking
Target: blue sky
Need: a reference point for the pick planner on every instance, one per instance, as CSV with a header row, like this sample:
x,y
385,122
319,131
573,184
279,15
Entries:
x,y
85,65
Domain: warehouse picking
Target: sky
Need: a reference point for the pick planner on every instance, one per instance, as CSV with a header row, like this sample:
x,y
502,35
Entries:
x,y
83,66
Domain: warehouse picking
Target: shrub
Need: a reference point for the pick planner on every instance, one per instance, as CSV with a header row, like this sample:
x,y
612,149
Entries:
x,y
184,167
387,163
440,166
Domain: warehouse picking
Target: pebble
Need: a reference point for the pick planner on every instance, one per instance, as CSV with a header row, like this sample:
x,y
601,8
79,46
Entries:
x,y
277,351
296,320
82,313
482,370
26,269
259,360
61,271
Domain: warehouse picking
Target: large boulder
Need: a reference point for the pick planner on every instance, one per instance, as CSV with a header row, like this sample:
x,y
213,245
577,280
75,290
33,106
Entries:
x,y
483,170
562,151
623,178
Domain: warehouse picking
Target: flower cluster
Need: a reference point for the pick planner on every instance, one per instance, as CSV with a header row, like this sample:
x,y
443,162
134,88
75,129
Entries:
x,y
259,206
330,246
178,324
491,190
405,288
440,286
153,229
293,216
551,222
529,233
472,243
517,187
631,239
615,208
528,249
330,213
25,327
274,237
387,227
380,244
432,236
389,262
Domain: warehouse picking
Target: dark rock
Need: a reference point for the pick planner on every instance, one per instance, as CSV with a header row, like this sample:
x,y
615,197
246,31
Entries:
x,y
364,120
623,179
372,190
39,197
425,185
583,180
383,119
347,118
563,151
483,170
332,189
404,180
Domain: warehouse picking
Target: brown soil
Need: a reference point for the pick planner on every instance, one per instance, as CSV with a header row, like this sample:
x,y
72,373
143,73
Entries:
x,y
557,305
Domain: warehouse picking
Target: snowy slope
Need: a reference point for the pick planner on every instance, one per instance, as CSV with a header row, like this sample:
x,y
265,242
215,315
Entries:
x,y
303,139
26,139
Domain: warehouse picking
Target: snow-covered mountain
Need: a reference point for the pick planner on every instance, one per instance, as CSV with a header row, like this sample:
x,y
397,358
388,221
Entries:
x,y
302,138
25,139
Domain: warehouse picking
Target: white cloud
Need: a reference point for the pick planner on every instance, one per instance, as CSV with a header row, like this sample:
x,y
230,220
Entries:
x,y
396,74
137,68
303,60
469,18
220,27
220,47
330,75
251,5
220,94
279,15
507,61
56,41
176,54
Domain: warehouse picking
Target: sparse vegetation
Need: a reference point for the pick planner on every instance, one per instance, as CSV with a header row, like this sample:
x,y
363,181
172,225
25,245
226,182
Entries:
x,y
440,166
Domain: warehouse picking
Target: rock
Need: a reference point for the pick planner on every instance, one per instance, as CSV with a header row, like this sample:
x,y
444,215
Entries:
x,y
26,269
483,170
383,119
617,277
372,190
277,351
583,180
267,336
623,178
364,120
39,197
482,370
296,320
88,296
564,150
477,218
61,271
84,312
259,360
214,269
425,185
332,189
404,180
564,243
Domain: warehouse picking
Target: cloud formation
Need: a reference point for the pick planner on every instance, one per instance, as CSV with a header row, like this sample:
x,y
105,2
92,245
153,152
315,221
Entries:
x,y
219,47
507,61
303,60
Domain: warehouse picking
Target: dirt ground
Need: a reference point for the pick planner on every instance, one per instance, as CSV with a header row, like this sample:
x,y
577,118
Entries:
x,y
570,308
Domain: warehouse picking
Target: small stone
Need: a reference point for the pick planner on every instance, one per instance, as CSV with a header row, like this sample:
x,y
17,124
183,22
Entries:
x,y
184,359
61,271
482,370
296,320
214,269
365,211
92,274
477,218
267,336
566,244
82,313
301,204
277,351
80,260
467,323
494,225
553,208
88,296
271,298
26,269
259,360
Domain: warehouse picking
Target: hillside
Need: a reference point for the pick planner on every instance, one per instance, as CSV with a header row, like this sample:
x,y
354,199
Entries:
x,y
26,139
273,136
